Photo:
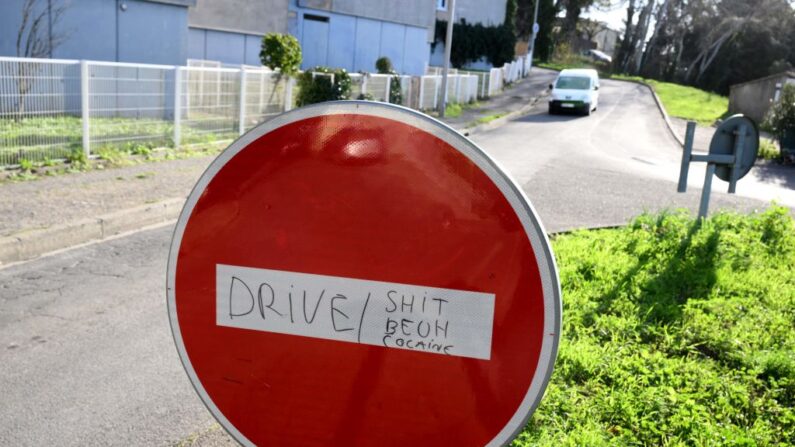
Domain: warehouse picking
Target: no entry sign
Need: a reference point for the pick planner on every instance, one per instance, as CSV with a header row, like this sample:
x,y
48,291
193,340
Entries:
x,y
355,273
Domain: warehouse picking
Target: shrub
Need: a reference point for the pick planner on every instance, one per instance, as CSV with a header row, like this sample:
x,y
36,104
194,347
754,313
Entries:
x,y
282,52
781,116
316,85
384,66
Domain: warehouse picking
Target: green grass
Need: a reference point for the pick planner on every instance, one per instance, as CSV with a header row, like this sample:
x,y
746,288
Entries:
x,y
563,65
36,139
686,102
489,118
675,334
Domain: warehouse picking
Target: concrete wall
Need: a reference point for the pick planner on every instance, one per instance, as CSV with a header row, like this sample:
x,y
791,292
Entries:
x,y
355,43
753,98
152,32
254,17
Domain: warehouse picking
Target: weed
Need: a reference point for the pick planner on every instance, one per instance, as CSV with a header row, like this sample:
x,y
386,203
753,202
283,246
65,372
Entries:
x,y
453,110
111,154
768,150
77,159
489,118
25,165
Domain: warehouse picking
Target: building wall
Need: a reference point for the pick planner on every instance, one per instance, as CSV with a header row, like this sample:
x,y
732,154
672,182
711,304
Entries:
x,y
226,47
355,43
418,13
253,17
606,40
145,31
753,98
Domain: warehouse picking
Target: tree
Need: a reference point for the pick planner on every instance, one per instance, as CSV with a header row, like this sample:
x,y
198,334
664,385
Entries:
x,y
37,37
282,52
546,21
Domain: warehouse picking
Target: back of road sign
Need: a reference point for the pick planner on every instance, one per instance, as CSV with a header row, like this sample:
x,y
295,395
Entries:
x,y
725,141
356,273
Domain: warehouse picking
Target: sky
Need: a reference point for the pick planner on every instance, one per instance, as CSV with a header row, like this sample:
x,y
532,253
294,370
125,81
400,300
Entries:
x,y
614,18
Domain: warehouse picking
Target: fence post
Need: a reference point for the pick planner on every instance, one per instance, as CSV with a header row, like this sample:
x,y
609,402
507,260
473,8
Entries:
x,y
422,91
177,105
84,104
436,93
242,101
388,87
288,94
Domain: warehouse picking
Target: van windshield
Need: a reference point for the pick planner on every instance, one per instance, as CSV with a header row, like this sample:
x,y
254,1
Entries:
x,y
573,83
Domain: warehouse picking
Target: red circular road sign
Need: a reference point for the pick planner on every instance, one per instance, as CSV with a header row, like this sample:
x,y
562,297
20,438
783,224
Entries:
x,y
356,273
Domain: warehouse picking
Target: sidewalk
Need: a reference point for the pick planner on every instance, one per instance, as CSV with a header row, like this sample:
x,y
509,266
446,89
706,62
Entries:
x,y
52,213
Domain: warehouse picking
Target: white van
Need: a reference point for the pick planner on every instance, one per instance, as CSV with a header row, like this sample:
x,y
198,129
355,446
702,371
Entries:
x,y
575,89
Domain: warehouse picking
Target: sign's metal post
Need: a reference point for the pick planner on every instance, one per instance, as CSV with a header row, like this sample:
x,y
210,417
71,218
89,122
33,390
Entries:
x,y
705,192
687,150
739,141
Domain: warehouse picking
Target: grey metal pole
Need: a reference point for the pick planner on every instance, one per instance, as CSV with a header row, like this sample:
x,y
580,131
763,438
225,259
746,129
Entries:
x,y
739,142
448,44
687,150
533,39
705,192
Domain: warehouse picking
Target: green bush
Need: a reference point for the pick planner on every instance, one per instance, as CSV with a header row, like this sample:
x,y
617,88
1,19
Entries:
x,y
384,66
316,86
781,117
281,51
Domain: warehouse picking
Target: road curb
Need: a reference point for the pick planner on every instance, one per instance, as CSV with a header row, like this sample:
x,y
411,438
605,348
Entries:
x,y
30,244
467,131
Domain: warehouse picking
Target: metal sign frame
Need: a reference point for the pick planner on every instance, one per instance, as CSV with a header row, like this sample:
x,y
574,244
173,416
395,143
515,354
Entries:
x,y
719,156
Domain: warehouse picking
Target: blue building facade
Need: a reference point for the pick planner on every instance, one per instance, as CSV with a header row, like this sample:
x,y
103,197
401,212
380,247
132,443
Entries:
x,y
224,46
349,34
142,31
355,43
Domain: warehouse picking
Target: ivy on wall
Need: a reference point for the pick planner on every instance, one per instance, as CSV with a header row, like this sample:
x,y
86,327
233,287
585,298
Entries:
x,y
316,85
473,42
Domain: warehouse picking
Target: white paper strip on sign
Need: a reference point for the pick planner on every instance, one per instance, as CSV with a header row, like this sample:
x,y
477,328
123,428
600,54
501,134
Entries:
x,y
419,318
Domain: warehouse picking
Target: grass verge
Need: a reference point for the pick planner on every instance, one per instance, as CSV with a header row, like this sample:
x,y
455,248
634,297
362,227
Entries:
x,y
686,102
675,334
489,118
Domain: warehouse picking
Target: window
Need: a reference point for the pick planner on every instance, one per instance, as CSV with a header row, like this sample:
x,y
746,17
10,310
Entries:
x,y
315,18
441,5
573,83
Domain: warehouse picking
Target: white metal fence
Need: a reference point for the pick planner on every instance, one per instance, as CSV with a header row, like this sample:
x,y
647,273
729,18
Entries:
x,y
54,109
39,109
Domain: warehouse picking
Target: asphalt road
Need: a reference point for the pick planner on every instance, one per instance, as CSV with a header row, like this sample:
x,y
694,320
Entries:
x,y
86,355
603,169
